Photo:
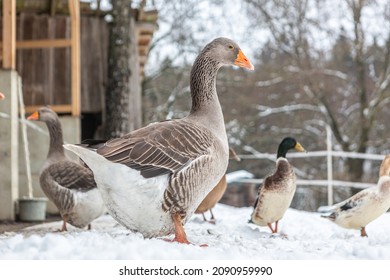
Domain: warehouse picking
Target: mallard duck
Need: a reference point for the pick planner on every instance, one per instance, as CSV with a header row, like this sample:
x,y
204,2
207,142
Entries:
x,y
362,208
216,194
69,185
277,190
153,178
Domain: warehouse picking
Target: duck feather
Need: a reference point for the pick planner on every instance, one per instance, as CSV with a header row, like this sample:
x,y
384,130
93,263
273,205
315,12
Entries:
x,y
365,206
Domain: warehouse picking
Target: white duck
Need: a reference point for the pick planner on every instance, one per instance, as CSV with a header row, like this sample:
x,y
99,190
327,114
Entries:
x,y
365,206
153,179
277,190
69,185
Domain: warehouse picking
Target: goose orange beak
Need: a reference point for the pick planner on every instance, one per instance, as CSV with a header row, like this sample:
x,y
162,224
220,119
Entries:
x,y
242,61
2,96
34,116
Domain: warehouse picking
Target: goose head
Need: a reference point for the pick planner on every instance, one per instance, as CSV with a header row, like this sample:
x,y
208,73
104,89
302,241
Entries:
x,y
44,114
287,144
225,51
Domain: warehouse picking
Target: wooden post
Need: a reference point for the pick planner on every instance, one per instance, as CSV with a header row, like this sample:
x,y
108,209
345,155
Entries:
x,y
329,164
9,34
74,9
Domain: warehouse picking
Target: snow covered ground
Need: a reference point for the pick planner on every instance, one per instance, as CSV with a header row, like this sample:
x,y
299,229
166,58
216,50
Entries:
x,y
309,237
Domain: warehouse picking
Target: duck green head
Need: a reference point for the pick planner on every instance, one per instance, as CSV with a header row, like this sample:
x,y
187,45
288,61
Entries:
x,y
287,144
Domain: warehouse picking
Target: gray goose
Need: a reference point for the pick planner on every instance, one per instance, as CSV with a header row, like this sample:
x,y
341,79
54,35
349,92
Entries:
x,y
277,190
215,195
69,185
153,178
365,206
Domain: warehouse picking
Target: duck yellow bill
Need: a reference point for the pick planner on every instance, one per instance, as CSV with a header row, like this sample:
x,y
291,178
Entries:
x,y
299,148
34,116
242,61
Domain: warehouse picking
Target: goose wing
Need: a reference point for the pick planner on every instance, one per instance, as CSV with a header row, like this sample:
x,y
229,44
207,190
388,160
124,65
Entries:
x,y
159,148
71,175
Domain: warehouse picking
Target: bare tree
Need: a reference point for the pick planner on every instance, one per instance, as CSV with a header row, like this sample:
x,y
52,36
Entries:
x,y
121,109
350,85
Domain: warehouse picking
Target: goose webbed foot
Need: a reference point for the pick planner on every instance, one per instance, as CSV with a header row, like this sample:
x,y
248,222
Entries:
x,y
180,234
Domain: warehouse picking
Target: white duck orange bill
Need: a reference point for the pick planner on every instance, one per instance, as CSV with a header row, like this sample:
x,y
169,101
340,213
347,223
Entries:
x,y
242,61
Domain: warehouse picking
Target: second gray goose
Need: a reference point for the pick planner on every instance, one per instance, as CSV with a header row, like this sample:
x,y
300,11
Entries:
x,y
69,185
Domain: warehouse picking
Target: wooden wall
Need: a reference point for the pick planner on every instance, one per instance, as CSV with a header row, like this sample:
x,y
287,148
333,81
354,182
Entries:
x,y
46,72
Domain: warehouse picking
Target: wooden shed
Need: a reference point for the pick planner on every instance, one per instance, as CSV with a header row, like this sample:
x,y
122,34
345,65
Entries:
x,y
72,82
59,48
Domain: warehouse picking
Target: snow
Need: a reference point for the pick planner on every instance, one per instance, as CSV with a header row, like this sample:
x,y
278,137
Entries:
x,y
308,237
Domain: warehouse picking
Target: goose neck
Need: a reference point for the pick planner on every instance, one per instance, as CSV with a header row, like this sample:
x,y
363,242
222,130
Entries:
x,y
56,138
203,82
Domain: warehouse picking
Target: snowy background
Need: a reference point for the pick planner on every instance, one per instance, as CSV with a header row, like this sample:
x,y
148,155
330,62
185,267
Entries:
x,y
309,237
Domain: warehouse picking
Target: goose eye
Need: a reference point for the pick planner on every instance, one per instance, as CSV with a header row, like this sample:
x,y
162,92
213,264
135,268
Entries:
x,y
231,47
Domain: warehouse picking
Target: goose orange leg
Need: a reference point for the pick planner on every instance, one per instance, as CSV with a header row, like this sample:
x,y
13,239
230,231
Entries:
x,y
64,223
180,234
63,228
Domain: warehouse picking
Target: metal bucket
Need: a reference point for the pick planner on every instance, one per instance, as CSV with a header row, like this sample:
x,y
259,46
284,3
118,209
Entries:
x,y
32,209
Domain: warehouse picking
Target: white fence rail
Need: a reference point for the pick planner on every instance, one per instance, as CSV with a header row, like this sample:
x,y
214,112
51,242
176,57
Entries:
x,y
329,154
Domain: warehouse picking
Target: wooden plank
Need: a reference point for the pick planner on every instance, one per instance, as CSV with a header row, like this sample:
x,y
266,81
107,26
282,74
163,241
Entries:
x,y
44,43
92,56
9,34
74,8
64,108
